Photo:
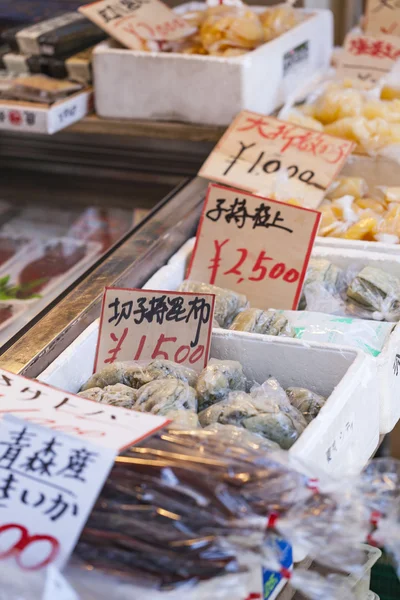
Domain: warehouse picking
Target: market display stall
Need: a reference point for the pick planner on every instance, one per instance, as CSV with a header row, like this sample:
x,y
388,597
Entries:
x,y
228,362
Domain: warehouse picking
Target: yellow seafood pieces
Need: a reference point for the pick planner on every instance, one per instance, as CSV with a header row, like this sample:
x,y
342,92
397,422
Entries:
x,y
351,211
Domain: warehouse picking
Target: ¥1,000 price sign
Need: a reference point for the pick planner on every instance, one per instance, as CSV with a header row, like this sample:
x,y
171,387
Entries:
x,y
254,245
143,325
258,153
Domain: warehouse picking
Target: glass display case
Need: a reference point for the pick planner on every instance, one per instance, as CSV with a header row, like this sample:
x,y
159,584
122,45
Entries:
x,y
142,252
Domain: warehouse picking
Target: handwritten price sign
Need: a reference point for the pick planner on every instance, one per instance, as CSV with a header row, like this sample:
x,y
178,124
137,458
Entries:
x,y
146,324
382,16
368,58
254,245
132,21
257,152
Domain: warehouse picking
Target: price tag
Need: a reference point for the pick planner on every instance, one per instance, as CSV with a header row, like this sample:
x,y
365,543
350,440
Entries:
x,y
56,450
368,58
104,425
132,21
382,16
256,246
49,482
146,324
257,152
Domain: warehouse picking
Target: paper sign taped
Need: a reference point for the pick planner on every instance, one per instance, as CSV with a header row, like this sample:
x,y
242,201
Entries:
x,y
382,16
143,325
109,426
49,483
255,246
258,152
132,21
366,58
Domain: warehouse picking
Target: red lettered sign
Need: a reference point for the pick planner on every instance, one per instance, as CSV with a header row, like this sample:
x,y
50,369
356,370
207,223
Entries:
x,y
262,154
132,21
382,16
367,58
143,325
255,246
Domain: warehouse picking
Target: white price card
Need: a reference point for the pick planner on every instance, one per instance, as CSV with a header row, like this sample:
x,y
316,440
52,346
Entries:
x,y
56,451
49,482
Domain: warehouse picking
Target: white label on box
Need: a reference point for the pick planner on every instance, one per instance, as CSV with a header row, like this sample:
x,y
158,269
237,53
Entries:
x,y
49,482
146,324
108,426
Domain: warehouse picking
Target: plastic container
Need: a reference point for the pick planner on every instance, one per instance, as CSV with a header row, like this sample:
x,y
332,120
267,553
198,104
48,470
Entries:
x,y
182,87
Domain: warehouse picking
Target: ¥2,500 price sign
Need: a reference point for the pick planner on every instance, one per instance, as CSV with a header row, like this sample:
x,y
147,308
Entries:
x,y
257,153
142,325
254,245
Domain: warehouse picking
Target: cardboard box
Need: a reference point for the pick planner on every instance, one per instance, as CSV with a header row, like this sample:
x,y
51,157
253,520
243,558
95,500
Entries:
x,y
34,117
131,84
170,277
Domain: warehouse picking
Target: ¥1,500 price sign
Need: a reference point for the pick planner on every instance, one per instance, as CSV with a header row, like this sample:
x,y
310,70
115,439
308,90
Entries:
x,y
254,245
257,153
143,325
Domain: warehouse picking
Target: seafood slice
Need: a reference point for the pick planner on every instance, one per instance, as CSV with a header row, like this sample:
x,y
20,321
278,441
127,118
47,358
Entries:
x,y
161,396
114,395
255,320
375,290
129,374
218,379
160,369
227,302
232,411
307,402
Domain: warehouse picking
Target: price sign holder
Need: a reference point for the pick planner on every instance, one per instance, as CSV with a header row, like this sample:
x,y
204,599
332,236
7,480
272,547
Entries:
x,y
258,153
255,246
142,325
132,21
366,58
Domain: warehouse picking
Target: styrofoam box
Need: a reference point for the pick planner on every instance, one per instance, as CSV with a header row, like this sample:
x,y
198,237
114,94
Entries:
x,y
171,276
343,436
41,118
131,84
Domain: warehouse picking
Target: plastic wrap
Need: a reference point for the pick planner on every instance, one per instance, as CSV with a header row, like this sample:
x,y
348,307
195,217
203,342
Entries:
x,y
367,293
227,302
269,322
217,380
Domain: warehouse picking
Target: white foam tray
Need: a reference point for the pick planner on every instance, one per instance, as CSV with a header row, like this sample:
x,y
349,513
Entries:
x,y
170,276
131,84
343,436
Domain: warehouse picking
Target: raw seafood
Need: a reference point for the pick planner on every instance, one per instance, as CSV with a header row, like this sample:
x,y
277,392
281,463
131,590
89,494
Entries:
x,y
161,368
255,320
227,302
307,402
376,290
56,260
183,419
233,411
129,374
217,380
278,427
161,396
115,395
237,435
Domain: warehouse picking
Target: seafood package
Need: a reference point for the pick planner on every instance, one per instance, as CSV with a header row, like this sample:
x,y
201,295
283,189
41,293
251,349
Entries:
x,y
219,396
342,109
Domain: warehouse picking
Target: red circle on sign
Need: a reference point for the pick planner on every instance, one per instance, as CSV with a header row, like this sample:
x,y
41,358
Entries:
x,y
15,117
